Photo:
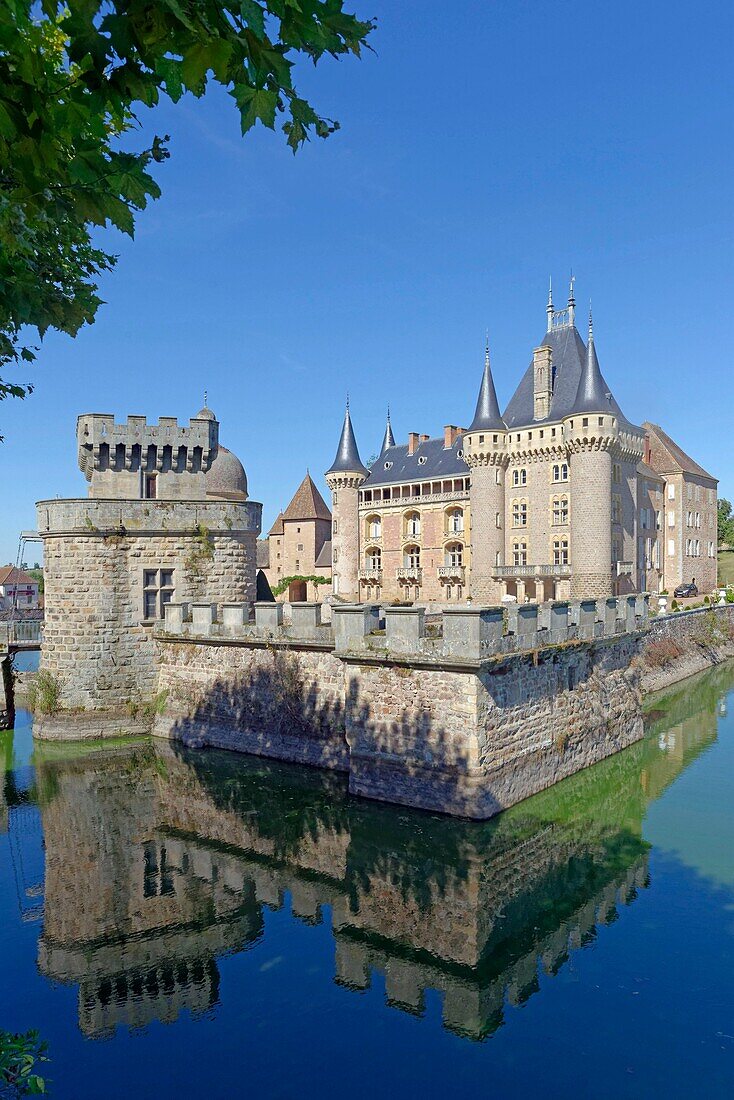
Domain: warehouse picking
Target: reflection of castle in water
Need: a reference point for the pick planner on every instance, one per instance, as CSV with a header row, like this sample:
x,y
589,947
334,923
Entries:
x,y
158,861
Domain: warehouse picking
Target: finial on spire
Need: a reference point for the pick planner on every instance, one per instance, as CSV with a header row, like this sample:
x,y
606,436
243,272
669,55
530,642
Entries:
x,y
591,324
388,439
347,400
549,307
205,397
486,349
571,300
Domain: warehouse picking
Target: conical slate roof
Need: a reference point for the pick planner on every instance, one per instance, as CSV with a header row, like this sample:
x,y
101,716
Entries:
x,y
487,416
347,455
592,394
388,438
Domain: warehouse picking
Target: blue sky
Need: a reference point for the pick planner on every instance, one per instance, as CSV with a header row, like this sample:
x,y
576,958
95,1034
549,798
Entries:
x,y
483,148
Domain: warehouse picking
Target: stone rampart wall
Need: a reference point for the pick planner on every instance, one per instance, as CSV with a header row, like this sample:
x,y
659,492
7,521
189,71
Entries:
x,y
466,723
685,642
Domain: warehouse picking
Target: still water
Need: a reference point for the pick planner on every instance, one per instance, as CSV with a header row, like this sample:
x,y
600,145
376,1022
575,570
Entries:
x,y
200,924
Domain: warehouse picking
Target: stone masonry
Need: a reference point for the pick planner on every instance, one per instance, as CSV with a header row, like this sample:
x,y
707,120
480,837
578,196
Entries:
x,y
97,641
466,720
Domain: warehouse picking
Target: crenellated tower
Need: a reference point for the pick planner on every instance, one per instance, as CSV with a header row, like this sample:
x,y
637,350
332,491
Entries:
x,y
344,478
485,452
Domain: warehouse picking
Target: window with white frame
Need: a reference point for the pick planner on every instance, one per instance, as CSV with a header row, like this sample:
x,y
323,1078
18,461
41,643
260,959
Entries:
x,y
519,477
560,551
519,553
374,527
412,557
455,521
413,524
560,511
454,554
560,471
519,513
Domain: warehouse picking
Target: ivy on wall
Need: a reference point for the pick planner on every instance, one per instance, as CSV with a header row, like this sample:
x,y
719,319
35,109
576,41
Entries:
x,y
286,581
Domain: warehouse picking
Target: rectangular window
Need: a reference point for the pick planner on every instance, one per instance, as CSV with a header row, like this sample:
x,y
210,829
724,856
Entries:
x,y
616,508
149,486
671,519
671,547
158,589
671,492
519,513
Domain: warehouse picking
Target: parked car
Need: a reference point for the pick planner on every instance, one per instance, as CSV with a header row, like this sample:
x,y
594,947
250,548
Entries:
x,y
683,591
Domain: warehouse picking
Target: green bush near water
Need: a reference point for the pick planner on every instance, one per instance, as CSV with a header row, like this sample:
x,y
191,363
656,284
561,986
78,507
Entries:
x,y
44,694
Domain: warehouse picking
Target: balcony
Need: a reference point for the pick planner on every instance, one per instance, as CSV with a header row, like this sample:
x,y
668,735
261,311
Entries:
x,y
451,573
412,574
371,576
624,568
532,571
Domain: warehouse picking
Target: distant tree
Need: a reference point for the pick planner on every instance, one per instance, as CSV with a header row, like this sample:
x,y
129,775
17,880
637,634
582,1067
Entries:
x,y
72,73
725,523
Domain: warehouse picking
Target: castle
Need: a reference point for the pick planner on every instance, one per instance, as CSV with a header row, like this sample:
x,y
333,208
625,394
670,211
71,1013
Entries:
x,y
559,496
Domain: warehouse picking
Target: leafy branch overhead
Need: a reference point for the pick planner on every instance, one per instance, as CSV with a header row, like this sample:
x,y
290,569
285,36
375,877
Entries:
x,y
72,75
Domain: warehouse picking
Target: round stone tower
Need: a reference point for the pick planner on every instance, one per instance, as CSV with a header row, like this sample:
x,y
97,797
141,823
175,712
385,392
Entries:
x,y
591,433
344,478
485,452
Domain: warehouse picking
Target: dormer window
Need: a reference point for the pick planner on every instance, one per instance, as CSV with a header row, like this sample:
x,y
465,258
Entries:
x,y
388,465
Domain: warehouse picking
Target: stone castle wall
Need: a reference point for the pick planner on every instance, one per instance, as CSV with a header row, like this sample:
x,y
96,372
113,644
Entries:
x,y
96,641
467,723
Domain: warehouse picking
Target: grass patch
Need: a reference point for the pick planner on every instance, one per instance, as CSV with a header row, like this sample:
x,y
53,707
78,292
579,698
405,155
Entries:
x,y
726,567
44,694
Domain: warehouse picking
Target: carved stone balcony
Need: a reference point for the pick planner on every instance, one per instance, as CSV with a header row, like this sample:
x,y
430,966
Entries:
x,y
532,571
411,574
371,576
451,573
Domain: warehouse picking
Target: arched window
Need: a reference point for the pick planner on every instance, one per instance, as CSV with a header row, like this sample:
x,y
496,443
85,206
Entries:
x,y
519,553
519,513
560,551
373,558
374,527
560,511
412,557
519,477
455,521
413,524
454,554
560,471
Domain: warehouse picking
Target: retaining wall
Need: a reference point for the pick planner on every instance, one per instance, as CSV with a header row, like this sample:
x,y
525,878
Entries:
x,y
686,642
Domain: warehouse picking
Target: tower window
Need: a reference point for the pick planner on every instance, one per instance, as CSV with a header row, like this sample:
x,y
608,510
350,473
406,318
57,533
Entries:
x,y
150,489
158,589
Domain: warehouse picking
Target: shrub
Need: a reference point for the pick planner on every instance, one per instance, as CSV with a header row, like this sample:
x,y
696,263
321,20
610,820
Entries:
x,y
44,694
674,606
730,595
662,652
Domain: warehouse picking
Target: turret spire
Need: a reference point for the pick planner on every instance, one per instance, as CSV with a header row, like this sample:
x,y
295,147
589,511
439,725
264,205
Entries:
x,y
549,307
571,301
592,394
347,456
388,439
487,415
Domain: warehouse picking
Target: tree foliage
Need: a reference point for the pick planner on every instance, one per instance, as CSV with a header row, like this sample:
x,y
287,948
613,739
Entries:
x,y
72,75
725,523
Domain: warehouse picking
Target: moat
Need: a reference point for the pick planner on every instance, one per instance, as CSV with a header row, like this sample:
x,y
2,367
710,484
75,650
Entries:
x,y
184,923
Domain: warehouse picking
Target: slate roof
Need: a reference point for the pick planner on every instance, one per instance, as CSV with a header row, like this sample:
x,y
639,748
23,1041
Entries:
x,y
439,462
323,558
677,461
487,415
568,360
388,440
263,554
347,455
307,503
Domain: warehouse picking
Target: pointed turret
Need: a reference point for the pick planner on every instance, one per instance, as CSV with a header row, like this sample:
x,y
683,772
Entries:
x,y
347,455
388,439
592,394
487,416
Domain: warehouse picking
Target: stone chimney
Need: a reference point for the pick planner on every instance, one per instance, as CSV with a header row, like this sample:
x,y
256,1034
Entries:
x,y
413,440
450,435
542,382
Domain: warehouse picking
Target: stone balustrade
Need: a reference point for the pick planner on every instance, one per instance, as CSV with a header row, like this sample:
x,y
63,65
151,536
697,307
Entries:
x,y
456,634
